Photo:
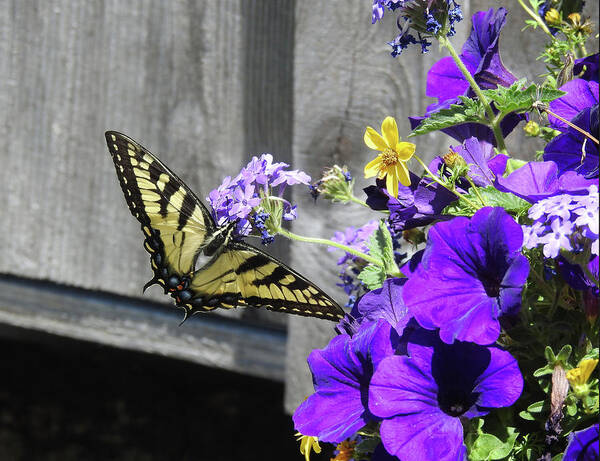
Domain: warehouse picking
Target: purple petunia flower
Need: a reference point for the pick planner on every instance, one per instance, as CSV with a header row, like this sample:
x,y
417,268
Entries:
x,y
477,154
385,303
341,375
587,68
422,396
538,180
580,94
474,274
417,205
573,151
482,58
577,278
583,445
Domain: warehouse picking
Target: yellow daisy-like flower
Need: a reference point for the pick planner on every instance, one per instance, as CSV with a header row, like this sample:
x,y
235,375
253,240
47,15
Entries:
x,y
580,375
390,163
308,443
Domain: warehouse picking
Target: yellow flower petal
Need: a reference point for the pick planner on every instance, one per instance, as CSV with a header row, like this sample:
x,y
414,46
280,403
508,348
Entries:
x,y
374,139
391,183
372,168
308,443
402,174
389,130
405,150
580,375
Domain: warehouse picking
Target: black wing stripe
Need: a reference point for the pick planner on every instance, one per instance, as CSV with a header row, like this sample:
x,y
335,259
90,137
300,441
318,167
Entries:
x,y
188,204
253,263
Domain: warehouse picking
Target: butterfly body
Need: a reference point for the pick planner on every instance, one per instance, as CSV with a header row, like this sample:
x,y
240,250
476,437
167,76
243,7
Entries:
x,y
178,228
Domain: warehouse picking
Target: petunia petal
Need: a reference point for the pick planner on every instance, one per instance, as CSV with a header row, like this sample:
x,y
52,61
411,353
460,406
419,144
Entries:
x,y
389,130
373,167
374,139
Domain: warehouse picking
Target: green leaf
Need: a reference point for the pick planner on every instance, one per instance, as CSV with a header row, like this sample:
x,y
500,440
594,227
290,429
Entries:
x,y
372,276
471,110
492,197
381,247
488,447
526,416
517,98
510,202
536,407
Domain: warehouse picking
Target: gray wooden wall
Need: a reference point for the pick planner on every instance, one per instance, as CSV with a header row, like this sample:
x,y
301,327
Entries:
x,y
206,85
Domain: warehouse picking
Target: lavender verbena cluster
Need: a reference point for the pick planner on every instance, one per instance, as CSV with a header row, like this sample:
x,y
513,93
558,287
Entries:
x,y
241,199
564,222
419,20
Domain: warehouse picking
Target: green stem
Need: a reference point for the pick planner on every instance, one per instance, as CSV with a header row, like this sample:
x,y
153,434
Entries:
x,y
331,243
437,180
476,189
475,87
542,283
359,201
536,18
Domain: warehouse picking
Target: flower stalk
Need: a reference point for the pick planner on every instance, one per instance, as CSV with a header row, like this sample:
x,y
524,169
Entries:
x,y
441,183
321,241
493,121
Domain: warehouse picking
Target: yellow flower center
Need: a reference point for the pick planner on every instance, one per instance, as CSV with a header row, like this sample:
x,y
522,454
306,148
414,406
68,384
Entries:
x,y
345,450
389,157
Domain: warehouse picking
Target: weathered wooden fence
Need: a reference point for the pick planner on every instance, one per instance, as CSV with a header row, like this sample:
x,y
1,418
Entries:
x,y
206,85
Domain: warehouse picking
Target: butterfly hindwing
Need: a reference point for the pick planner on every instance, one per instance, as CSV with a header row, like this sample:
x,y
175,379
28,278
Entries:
x,y
178,227
243,274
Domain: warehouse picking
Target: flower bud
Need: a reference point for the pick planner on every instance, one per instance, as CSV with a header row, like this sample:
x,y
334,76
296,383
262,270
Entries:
x,y
336,184
531,128
456,163
552,17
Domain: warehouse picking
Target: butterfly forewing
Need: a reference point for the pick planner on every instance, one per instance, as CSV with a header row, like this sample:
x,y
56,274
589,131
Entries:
x,y
167,209
178,227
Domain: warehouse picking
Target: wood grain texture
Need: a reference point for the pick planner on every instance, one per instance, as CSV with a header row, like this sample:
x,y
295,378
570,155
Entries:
x,y
141,326
204,85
